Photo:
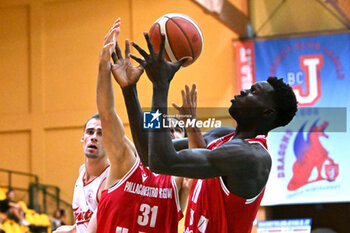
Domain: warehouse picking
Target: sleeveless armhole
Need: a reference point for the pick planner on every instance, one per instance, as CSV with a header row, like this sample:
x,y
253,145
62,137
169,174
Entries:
x,y
176,192
125,177
227,192
99,187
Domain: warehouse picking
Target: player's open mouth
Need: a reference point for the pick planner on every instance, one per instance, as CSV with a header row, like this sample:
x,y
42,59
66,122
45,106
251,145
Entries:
x,y
92,147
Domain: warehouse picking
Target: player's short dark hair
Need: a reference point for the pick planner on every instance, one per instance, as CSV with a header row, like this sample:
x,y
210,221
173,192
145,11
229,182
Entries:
x,y
285,100
95,116
178,128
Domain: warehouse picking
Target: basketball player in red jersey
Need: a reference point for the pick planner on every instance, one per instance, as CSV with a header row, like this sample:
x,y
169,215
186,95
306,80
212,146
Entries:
x,y
136,200
232,172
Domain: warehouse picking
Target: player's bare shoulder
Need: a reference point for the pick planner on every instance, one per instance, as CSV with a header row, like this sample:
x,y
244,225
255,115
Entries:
x,y
247,165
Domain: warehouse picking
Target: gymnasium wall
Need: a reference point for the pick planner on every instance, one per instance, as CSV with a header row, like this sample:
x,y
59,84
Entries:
x,y
49,58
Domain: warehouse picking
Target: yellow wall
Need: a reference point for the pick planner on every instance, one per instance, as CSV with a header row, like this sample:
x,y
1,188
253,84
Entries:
x,y
49,56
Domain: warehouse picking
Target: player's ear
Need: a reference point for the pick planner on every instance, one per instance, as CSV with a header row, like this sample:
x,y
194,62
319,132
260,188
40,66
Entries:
x,y
269,112
82,139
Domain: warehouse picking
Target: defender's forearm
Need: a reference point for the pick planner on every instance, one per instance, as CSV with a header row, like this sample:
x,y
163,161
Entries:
x,y
135,116
161,151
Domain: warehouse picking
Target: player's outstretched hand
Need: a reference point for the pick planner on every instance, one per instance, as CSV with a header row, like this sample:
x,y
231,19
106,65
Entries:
x,y
109,43
189,103
123,71
158,70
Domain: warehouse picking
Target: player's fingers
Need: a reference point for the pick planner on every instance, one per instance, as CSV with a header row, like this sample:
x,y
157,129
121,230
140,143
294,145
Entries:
x,y
195,99
111,37
115,25
141,51
162,45
110,47
193,92
138,60
114,57
149,43
139,67
112,30
177,107
127,48
117,50
188,96
184,101
194,87
181,62
117,22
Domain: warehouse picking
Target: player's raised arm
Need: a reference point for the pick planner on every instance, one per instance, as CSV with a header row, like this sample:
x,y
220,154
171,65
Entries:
x,y
119,150
162,155
181,144
127,76
187,111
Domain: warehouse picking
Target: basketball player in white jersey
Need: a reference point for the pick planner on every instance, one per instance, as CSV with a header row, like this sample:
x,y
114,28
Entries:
x,y
92,175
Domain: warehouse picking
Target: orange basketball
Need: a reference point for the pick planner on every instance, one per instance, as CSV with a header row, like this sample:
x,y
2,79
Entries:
x,y
183,37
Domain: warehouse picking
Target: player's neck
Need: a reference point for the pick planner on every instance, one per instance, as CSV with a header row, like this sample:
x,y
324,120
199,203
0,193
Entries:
x,y
244,132
94,167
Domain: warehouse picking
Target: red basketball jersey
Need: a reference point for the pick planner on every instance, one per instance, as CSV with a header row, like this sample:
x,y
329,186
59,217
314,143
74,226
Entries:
x,y
140,202
212,208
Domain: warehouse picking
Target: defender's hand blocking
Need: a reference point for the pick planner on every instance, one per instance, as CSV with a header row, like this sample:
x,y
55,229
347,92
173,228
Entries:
x,y
109,42
158,70
189,103
123,71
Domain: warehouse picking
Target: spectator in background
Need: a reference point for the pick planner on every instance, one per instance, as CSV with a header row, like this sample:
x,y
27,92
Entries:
x,y
12,209
63,216
55,220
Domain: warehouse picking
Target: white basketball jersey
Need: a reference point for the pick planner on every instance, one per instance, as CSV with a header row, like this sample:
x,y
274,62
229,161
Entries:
x,y
85,198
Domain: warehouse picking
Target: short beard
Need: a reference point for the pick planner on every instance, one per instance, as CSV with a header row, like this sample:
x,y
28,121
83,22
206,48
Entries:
x,y
91,156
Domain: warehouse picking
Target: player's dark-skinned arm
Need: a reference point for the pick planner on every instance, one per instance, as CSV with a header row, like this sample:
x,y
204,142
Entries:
x,y
209,136
135,116
194,163
119,151
127,76
235,158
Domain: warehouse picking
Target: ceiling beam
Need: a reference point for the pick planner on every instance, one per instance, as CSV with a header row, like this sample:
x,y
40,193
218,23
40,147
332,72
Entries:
x,y
228,14
342,7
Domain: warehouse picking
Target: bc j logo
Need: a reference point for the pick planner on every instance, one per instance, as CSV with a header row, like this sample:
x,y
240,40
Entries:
x,y
311,92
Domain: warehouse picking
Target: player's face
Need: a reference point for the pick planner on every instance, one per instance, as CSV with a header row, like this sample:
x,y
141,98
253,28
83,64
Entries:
x,y
176,133
92,139
250,104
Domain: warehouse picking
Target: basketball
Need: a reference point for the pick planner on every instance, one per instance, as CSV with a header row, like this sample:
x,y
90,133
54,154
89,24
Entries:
x,y
183,37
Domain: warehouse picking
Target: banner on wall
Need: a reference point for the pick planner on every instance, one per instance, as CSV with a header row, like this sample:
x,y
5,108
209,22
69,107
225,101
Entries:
x,y
311,156
285,226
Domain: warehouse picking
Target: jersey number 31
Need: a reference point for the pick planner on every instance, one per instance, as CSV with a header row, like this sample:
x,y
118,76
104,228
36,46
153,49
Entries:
x,y
144,219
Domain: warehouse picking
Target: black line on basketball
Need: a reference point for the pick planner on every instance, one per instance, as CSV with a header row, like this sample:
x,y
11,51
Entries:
x,y
188,40
166,30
